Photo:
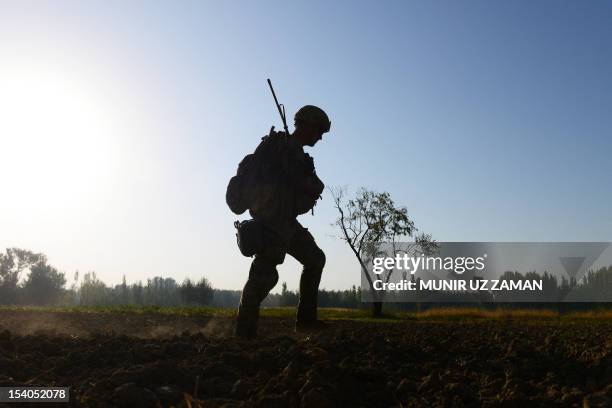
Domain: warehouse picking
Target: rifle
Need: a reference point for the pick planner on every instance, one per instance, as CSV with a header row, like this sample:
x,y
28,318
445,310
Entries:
x,y
281,109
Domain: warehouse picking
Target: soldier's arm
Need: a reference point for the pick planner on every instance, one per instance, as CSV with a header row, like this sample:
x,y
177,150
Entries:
x,y
305,178
312,186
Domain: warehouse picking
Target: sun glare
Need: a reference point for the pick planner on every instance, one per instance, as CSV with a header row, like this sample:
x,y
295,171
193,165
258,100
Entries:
x,y
57,139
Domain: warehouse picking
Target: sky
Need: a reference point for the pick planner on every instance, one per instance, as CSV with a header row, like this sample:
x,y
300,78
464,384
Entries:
x,y
122,122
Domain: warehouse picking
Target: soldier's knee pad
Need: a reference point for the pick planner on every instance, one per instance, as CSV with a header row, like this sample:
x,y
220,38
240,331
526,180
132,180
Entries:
x,y
318,261
263,276
270,281
266,278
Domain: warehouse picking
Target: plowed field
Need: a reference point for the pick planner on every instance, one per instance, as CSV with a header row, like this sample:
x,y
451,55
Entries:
x,y
143,360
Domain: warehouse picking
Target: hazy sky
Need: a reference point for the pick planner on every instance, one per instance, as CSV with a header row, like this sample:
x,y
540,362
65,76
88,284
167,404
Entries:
x,y
122,122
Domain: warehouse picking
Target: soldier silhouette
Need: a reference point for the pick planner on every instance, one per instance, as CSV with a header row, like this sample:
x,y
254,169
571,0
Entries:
x,y
285,187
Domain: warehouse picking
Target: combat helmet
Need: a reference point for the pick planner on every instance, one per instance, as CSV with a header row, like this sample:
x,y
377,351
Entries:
x,y
313,115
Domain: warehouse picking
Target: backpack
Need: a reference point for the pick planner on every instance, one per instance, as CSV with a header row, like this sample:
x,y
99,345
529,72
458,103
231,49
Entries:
x,y
235,196
259,180
240,192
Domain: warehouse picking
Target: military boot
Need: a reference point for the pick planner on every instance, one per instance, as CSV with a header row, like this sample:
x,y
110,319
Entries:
x,y
246,323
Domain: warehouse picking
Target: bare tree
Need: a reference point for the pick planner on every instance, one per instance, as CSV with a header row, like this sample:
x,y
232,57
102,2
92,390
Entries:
x,y
370,219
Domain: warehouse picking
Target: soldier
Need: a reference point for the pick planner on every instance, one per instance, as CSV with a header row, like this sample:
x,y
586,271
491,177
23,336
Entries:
x,y
288,186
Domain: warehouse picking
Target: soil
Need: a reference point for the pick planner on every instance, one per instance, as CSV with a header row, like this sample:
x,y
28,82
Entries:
x,y
147,360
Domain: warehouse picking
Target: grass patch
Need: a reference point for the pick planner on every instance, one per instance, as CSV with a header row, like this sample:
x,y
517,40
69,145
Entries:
x,y
475,313
441,314
135,309
593,314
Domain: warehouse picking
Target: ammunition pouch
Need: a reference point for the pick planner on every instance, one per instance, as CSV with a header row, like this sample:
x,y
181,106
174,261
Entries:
x,y
252,237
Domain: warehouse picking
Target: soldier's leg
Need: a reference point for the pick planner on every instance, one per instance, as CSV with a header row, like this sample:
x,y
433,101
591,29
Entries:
x,y
304,248
263,276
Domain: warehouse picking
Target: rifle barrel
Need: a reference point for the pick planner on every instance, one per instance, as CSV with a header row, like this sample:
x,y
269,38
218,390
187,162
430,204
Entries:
x,y
278,106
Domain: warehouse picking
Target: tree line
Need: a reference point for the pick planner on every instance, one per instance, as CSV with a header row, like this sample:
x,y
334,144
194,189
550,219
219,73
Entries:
x,y
44,285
